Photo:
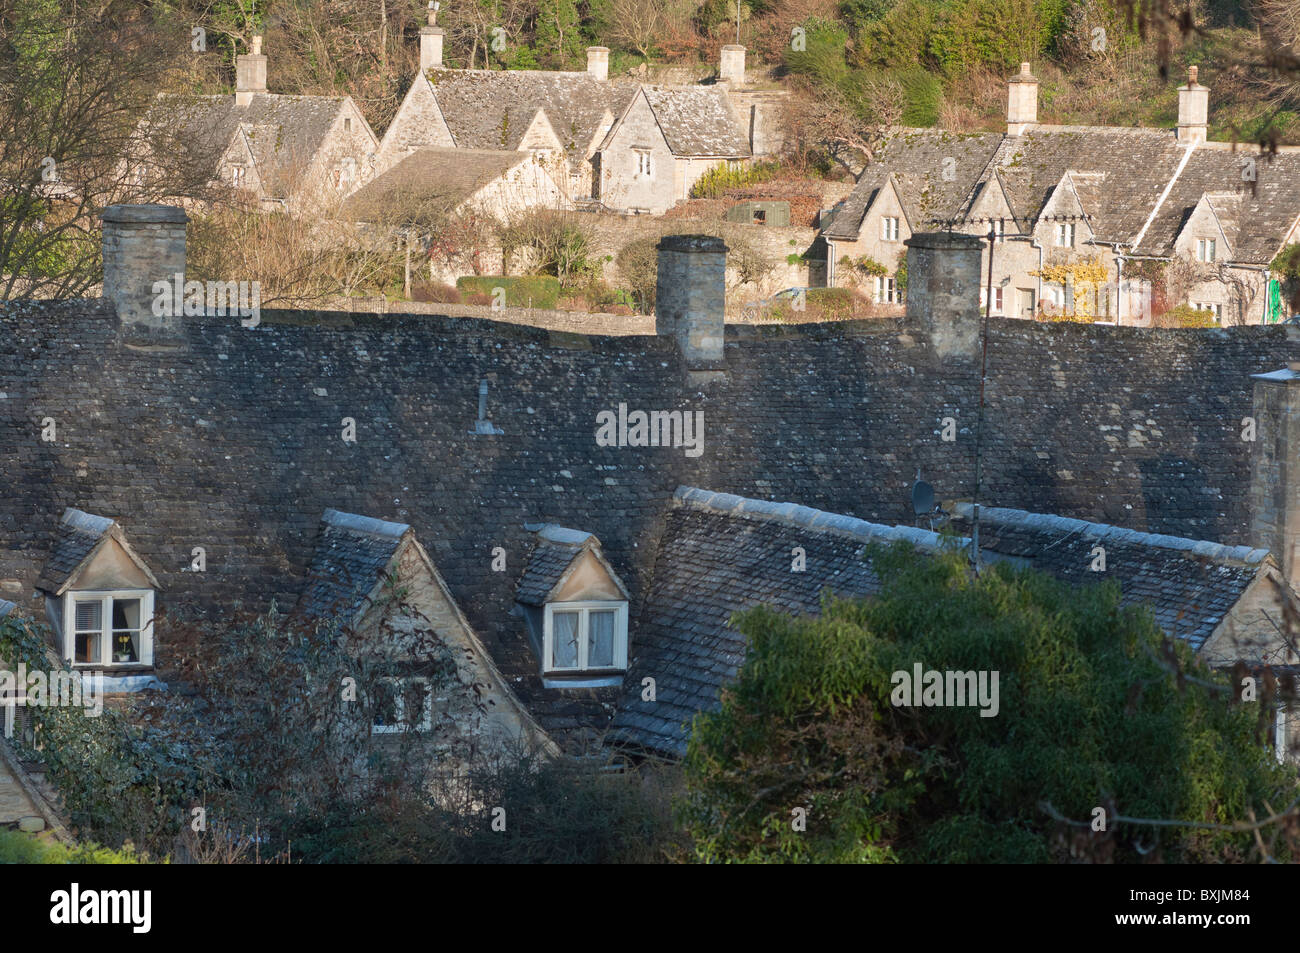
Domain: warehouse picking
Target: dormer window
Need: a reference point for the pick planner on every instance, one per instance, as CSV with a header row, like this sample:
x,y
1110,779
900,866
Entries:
x,y
111,628
576,610
237,176
1205,249
99,596
889,228
642,162
1065,234
585,637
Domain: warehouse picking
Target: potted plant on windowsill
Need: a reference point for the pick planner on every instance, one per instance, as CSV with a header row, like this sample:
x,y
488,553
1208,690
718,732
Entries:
x,y
123,653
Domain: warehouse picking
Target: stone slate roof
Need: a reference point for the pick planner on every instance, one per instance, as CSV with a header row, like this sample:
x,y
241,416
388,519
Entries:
x,y
492,109
698,120
556,550
284,133
916,157
77,535
1130,426
1189,584
1262,217
721,554
440,177
1134,166
351,555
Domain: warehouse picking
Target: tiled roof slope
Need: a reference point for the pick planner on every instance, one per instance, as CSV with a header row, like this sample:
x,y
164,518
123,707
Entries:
x,y
721,554
1135,166
77,534
697,120
1189,584
236,444
284,132
554,553
444,176
1263,216
492,109
351,554
917,158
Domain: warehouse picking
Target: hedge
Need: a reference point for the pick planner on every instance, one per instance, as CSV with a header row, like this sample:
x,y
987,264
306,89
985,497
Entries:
x,y
537,291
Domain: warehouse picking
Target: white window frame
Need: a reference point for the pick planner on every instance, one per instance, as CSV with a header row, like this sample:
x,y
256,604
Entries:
x,y
1205,249
620,636
237,176
886,290
999,231
997,299
106,597
401,686
1054,294
643,166
889,228
1210,306
1064,234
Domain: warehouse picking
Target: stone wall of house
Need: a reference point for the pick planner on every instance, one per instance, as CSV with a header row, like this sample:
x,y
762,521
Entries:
x,y
621,185
418,123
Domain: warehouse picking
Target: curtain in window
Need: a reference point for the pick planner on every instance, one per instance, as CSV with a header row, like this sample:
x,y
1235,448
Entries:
x,y
564,639
89,625
600,651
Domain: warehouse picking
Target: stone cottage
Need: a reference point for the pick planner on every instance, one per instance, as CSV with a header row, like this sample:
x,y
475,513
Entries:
x,y
298,153
573,122
581,541
1074,211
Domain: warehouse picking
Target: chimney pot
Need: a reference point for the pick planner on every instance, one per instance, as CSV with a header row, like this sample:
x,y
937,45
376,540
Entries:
x,y
1022,102
691,297
250,74
943,291
598,62
1193,109
731,64
145,245
1275,473
431,44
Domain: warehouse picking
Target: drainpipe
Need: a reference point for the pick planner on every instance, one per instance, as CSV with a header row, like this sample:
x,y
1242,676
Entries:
x,y
1038,287
830,263
1119,287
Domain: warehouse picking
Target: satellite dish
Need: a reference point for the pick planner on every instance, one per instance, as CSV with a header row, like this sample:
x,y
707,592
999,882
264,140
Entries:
x,y
922,498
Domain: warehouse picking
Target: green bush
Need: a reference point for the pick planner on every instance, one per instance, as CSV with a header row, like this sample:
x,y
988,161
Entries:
x,y
537,291
19,848
1095,706
714,183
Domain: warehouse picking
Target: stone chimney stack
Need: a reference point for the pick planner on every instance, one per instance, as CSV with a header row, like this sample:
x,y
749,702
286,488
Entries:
x,y
943,291
1275,468
598,62
1193,110
691,297
250,74
431,37
1022,102
144,249
731,67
